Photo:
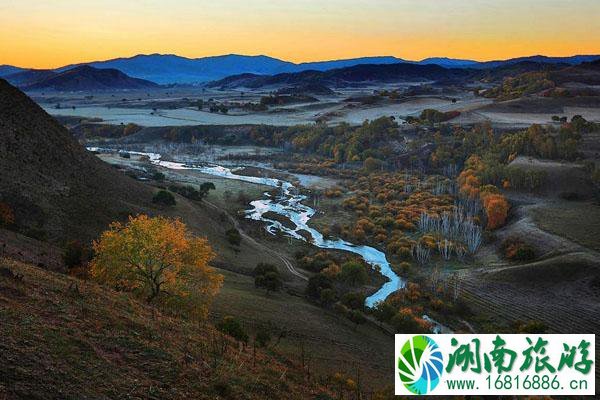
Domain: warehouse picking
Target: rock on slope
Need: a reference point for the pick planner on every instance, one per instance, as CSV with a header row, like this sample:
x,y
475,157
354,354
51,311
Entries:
x,y
56,188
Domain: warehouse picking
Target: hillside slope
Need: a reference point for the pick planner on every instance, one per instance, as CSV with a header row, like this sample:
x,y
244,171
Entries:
x,y
89,78
63,338
349,75
56,188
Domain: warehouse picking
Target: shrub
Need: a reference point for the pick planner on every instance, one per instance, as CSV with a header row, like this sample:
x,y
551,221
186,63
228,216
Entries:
x,y
328,297
404,322
164,197
73,254
316,284
191,193
37,233
267,276
372,164
262,338
354,273
233,237
354,300
357,317
517,250
384,311
231,326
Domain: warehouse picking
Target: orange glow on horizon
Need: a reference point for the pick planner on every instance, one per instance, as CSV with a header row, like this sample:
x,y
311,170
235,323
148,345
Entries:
x,y
49,34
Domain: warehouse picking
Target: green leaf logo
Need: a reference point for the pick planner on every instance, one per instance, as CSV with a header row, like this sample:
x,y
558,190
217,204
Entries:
x,y
420,364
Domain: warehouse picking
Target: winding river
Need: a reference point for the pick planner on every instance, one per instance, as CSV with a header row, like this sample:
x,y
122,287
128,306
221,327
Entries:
x,y
289,204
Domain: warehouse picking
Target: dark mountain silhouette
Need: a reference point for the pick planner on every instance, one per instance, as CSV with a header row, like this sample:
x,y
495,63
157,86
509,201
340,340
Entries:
x,y
335,64
365,74
572,60
359,74
500,72
57,188
89,78
170,68
9,69
448,62
587,73
29,76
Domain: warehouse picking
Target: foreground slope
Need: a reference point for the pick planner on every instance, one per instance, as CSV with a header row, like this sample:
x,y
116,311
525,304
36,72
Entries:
x,y
65,338
57,189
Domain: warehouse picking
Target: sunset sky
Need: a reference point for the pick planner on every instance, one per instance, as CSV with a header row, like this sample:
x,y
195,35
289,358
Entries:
x,y
43,34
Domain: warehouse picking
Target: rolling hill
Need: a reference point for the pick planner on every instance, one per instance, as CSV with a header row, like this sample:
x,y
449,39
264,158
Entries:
x,y
587,73
392,73
359,74
498,73
57,189
87,78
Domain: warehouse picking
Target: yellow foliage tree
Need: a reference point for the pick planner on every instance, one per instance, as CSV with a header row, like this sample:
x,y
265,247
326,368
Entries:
x,y
496,208
159,260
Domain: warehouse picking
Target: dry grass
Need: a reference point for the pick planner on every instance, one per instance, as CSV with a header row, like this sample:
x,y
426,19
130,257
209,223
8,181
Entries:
x,y
574,220
65,338
331,342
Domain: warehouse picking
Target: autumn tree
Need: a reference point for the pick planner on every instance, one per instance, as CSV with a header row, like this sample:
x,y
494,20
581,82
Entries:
x,y
496,208
158,260
130,129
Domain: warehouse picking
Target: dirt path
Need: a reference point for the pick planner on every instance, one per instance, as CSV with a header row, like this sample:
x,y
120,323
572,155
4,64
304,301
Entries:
x,y
287,263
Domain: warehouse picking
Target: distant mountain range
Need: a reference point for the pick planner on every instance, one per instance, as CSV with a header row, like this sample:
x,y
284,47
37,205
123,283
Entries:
x,y
170,69
387,73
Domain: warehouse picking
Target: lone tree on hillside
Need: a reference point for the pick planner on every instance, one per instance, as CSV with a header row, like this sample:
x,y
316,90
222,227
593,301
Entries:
x,y
267,276
233,237
205,188
158,260
163,197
